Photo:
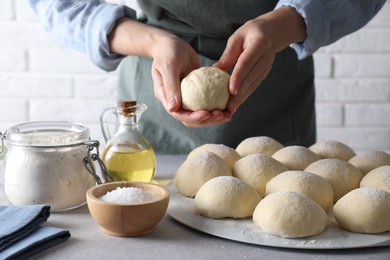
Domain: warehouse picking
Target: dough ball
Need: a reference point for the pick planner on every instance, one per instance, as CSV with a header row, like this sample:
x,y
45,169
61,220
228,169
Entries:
x,y
379,178
332,149
197,170
341,175
296,157
205,88
258,144
226,197
257,169
290,214
370,160
309,184
364,210
225,152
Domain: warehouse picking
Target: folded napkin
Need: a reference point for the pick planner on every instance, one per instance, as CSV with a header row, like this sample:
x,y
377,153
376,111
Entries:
x,y
37,241
20,231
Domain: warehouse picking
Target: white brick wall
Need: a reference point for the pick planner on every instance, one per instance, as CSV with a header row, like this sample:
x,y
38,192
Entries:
x,y
353,87
42,80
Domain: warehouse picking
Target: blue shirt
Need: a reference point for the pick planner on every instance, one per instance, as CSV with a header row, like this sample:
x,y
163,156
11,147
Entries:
x,y
85,24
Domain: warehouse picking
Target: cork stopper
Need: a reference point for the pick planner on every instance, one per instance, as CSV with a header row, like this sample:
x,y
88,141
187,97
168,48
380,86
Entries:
x,y
127,107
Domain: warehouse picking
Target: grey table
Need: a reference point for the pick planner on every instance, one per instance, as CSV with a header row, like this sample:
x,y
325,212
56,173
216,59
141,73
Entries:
x,y
172,240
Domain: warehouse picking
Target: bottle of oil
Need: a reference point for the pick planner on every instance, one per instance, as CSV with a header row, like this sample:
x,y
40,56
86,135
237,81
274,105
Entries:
x,y
128,155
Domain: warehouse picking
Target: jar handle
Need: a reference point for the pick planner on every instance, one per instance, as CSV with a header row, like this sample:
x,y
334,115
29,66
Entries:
x,y
88,162
104,123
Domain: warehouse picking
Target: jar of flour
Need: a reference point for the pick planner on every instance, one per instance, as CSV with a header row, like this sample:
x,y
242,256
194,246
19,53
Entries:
x,y
49,163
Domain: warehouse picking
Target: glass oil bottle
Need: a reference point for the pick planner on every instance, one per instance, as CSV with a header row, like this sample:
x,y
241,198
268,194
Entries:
x,y
128,156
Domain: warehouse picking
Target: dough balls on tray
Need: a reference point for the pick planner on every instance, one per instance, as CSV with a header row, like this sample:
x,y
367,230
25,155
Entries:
x,y
341,175
296,157
370,160
364,210
258,144
379,178
333,149
288,190
257,169
290,214
309,184
198,169
226,197
225,152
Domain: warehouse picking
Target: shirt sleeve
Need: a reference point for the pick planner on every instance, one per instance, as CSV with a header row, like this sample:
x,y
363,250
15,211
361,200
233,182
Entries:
x,y
83,25
329,20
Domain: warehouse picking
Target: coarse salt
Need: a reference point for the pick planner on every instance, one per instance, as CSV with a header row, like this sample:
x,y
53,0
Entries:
x,y
129,195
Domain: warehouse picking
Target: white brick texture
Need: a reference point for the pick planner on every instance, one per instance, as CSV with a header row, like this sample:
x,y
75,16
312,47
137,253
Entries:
x,y
7,10
12,60
42,80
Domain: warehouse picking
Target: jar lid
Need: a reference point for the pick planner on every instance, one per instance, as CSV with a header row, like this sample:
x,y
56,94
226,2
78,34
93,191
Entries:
x,y
47,134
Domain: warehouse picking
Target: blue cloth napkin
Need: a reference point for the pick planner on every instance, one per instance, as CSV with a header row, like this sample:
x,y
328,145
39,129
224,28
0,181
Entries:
x,y
18,221
21,233
37,241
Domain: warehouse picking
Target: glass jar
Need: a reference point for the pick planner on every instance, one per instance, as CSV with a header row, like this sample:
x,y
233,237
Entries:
x,y
48,163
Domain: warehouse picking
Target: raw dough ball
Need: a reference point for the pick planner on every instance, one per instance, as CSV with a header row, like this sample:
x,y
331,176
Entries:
x,y
341,175
290,214
332,149
309,184
226,197
205,88
296,157
379,178
257,169
258,144
364,210
370,160
197,170
225,152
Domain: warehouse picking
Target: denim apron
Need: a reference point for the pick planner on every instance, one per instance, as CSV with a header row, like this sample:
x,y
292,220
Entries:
x,y
282,107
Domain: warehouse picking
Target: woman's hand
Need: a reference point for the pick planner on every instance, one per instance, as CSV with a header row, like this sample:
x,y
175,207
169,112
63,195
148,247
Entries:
x,y
173,59
252,48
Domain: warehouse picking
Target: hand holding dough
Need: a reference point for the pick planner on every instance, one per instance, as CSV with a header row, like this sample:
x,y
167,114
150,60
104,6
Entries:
x,y
205,88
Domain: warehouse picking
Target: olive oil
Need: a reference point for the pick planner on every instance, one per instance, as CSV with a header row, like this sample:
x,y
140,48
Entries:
x,y
129,162
128,156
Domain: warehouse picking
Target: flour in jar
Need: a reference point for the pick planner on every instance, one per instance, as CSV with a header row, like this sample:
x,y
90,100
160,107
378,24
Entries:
x,y
55,176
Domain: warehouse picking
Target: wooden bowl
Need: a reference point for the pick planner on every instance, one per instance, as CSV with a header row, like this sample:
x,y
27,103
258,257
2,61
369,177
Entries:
x,y
127,220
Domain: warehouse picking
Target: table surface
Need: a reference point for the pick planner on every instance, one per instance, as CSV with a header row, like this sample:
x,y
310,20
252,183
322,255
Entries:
x,y
170,239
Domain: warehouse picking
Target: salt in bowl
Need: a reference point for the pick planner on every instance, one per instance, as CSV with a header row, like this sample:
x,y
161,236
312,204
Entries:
x,y
124,219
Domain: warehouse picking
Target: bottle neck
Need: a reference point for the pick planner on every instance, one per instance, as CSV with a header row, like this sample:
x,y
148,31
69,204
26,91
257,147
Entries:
x,y
129,121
